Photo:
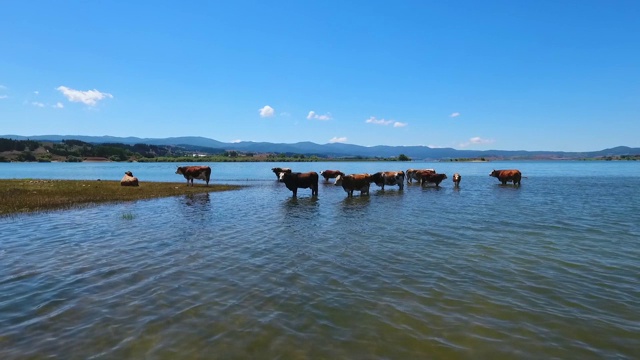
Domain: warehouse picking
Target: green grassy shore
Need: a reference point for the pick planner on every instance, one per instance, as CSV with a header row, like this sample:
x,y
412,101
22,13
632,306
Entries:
x,y
31,195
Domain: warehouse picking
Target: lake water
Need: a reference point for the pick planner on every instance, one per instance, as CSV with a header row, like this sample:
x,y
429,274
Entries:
x,y
547,270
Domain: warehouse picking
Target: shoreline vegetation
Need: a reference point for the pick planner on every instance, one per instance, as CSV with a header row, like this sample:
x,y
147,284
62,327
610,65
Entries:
x,y
80,151
21,196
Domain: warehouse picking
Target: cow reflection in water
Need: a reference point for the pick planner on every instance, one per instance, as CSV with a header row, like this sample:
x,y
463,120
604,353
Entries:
x,y
356,208
198,200
295,202
295,209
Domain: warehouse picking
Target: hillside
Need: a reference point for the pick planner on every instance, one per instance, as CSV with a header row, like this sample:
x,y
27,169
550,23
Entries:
x,y
61,147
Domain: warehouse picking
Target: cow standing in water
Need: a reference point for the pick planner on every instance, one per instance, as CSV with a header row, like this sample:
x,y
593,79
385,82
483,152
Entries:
x,y
330,174
507,175
429,178
279,170
416,174
354,182
383,178
195,172
295,180
456,179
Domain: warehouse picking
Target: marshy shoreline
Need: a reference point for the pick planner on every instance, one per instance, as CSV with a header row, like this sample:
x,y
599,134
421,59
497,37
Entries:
x,y
18,196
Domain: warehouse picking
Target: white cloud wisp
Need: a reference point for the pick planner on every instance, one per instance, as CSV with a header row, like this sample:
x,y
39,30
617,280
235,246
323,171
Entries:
x,y
373,120
336,139
313,116
89,97
476,141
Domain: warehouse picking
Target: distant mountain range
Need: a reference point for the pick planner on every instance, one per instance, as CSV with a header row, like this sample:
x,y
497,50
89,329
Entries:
x,y
338,149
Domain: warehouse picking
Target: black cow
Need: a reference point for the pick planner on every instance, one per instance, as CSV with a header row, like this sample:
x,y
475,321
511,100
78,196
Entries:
x,y
427,178
295,180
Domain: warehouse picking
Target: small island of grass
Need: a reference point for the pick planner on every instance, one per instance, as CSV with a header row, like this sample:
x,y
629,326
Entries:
x,y
31,195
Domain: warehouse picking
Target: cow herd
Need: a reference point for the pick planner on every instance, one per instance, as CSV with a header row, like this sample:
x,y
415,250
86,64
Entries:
x,y
350,183
362,182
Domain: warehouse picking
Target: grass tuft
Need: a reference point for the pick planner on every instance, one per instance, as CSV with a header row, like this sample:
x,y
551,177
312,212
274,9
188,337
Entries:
x,y
127,216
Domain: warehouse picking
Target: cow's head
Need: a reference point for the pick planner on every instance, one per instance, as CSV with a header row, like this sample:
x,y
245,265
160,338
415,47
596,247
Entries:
x,y
494,173
180,170
338,181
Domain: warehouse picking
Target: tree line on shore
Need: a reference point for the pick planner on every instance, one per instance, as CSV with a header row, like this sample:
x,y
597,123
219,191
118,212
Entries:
x,y
78,151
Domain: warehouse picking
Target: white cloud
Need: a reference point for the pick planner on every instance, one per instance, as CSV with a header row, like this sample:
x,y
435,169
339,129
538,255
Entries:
x,y
336,139
479,140
476,141
3,96
454,115
58,105
37,104
373,120
2,87
312,115
36,92
267,111
236,141
89,97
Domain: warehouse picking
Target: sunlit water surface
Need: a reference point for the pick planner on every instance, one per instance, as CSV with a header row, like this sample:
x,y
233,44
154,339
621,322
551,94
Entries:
x,y
547,270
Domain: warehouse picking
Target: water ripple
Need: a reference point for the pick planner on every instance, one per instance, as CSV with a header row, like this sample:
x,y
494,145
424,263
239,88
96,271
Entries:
x,y
483,271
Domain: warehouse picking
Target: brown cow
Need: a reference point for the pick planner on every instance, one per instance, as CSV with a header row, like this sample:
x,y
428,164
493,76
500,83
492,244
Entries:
x,y
330,174
128,179
383,178
456,179
359,182
279,170
414,174
195,172
427,178
295,180
507,175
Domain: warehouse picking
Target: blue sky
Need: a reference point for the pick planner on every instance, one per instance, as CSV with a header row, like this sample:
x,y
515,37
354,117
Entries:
x,y
509,75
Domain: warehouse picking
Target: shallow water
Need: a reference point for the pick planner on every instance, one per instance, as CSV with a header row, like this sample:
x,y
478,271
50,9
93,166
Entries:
x,y
546,270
